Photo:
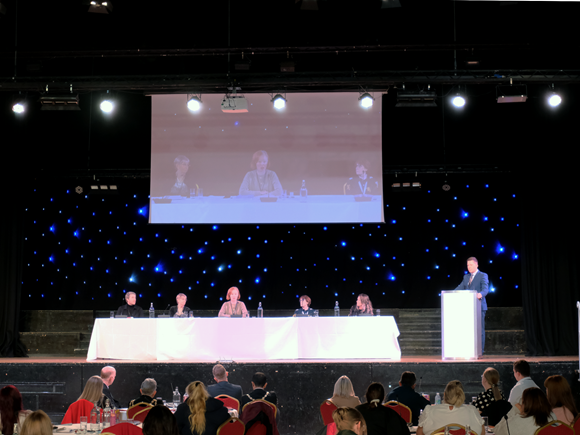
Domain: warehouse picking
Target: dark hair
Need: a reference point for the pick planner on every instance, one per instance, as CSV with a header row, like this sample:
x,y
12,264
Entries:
x,y
160,421
259,379
364,162
306,298
473,259
408,378
10,406
366,301
375,391
536,405
522,367
559,393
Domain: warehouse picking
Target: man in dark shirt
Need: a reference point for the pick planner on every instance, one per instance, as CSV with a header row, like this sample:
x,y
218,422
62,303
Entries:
x,y
405,393
108,375
220,375
130,309
259,383
148,391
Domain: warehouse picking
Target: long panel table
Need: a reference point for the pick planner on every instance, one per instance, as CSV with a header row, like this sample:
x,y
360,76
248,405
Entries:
x,y
245,339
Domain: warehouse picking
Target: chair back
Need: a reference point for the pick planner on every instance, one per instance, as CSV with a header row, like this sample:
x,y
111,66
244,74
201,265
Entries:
x,y
123,429
232,426
403,410
138,408
326,409
141,415
455,429
76,410
270,404
257,429
331,429
259,413
229,401
556,427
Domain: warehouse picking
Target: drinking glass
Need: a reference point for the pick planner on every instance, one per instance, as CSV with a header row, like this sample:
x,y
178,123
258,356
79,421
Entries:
x,y
192,192
485,423
315,313
473,400
112,314
200,192
83,425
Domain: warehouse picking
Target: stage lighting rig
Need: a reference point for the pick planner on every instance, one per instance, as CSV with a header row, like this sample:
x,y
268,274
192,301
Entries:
x,y
279,101
59,102
194,102
19,105
100,6
511,93
234,103
554,99
366,100
416,98
458,100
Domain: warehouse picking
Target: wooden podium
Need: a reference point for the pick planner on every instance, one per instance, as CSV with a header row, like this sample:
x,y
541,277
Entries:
x,y
460,325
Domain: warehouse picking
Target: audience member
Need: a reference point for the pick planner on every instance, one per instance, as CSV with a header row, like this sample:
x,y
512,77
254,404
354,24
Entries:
x,y
130,309
160,421
525,418
405,394
452,411
349,421
200,414
492,403
108,375
259,384
148,391
93,391
37,423
343,395
522,375
220,375
11,409
380,419
560,398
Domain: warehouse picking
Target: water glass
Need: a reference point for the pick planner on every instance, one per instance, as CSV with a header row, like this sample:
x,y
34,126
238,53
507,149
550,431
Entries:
x,y
378,312
83,425
200,192
473,400
485,423
291,194
112,314
315,313
191,314
192,192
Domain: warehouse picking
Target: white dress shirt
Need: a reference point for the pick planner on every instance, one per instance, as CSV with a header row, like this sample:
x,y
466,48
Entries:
x,y
518,389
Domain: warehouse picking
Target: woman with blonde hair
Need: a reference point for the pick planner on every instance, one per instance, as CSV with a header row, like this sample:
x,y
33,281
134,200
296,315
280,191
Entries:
x,y
349,421
37,423
200,414
560,398
451,411
93,391
343,394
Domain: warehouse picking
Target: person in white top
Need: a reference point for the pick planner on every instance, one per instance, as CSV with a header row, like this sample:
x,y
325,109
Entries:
x,y
525,418
522,375
452,411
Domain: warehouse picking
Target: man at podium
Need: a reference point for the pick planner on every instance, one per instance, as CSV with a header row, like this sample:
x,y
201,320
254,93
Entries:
x,y
476,280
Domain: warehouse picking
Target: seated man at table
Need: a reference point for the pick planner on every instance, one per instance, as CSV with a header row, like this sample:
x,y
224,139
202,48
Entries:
x,y
108,375
259,383
148,391
130,309
220,375
405,393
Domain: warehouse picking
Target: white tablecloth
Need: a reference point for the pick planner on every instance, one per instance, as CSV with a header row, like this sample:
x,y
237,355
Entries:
x,y
245,339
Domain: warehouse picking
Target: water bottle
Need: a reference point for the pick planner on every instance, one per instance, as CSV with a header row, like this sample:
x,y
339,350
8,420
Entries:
x,y
467,429
151,311
176,398
336,310
15,431
95,416
437,399
107,415
303,191
260,310
446,430
113,416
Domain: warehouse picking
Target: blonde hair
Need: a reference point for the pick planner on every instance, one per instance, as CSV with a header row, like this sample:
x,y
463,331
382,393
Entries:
x,y
37,423
491,375
454,394
196,401
343,387
347,418
93,391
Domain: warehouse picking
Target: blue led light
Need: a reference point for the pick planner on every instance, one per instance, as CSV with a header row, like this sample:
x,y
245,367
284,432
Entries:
x,y
215,227
343,243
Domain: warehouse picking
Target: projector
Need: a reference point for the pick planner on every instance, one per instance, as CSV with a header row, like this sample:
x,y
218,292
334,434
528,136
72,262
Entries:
x,y
234,104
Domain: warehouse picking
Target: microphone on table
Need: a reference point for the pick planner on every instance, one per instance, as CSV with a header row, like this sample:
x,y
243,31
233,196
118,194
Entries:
x,y
168,305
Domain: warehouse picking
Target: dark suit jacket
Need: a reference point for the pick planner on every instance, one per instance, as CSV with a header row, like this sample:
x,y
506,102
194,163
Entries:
x,y
109,395
225,387
259,393
123,310
407,396
479,283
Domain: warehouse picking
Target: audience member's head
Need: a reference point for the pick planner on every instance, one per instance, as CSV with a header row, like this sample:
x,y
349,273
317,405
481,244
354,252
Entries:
x,y
490,379
149,387
535,404
349,419
37,423
108,375
521,369
219,373
10,406
560,394
160,421
196,401
409,379
375,395
259,380
343,387
93,391
454,394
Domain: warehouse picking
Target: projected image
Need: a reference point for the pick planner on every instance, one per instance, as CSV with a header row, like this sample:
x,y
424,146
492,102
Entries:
x,y
318,160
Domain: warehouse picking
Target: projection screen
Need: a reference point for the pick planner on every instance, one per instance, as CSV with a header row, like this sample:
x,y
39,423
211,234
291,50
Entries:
x,y
318,160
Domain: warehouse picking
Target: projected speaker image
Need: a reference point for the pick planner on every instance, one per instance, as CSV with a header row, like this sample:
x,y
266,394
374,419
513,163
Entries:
x,y
316,159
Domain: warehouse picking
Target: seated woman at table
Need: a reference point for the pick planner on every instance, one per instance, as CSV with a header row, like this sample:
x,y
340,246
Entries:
x,y
362,183
349,421
180,310
37,423
11,409
93,393
305,302
491,403
381,419
363,306
343,394
233,307
533,412
451,411
160,421
200,414
260,180
560,398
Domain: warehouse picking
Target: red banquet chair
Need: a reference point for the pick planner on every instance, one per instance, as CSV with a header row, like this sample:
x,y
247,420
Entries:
x,y
270,404
139,411
331,429
454,429
326,410
403,410
556,427
76,410
576,424
123,429
232,426
229,401
258,418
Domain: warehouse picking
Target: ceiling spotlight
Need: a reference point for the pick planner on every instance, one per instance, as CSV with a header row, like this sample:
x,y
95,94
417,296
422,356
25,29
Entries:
x,y
458,101
512,93
100,7
18,107
554,100
107,106
193,102
366,100
279,102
